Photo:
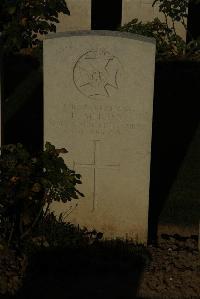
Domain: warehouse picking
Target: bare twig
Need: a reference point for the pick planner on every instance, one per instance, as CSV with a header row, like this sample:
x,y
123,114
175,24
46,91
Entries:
x,y
46,210
33,224
11,233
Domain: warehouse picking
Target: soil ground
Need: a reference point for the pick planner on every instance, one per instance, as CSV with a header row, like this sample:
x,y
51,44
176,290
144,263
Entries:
x,y
173,272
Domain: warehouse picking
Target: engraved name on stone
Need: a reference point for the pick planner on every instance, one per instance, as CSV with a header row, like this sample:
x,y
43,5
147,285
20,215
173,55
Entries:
x,y
99,119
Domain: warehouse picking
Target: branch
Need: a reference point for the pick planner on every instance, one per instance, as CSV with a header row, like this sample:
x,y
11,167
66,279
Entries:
x,y
32,225
11,234
47,208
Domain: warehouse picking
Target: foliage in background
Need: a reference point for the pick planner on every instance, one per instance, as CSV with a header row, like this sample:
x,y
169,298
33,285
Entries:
x,y
175,10
169,43
22,20
28,187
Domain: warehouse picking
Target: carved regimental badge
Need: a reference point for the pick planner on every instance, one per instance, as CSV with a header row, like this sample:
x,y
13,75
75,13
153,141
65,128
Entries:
x,y
96,74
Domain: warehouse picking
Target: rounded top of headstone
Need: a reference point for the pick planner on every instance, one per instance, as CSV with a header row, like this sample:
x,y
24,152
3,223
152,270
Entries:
x,y
127,35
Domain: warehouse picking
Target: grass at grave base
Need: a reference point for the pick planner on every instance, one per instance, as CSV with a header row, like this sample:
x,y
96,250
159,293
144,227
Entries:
x,y
84,246
106,269
68,258
109,255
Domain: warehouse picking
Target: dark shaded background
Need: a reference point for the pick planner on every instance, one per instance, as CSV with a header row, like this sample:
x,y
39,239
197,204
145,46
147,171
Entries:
x,y
102,10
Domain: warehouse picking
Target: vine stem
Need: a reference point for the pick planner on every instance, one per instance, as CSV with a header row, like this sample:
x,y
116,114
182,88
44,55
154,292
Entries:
x,y
11,233
32,225
46,210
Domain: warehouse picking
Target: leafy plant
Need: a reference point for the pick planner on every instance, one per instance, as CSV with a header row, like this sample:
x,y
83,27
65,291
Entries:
x,y
168,43
175,10
21,21
28,187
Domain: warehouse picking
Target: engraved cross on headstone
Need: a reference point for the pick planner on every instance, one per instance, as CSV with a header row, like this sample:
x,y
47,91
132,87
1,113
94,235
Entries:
x,y
94,165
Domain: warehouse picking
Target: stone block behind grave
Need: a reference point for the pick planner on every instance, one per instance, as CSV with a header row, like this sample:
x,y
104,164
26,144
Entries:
x,y
98,102
79,19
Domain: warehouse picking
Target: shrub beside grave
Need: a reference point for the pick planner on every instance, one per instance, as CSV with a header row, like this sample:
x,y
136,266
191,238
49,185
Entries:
x,y
28,228
21,21
169,43
28,187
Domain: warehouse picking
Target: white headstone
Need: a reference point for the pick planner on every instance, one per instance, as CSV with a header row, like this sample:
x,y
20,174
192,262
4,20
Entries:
x,y
98,93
